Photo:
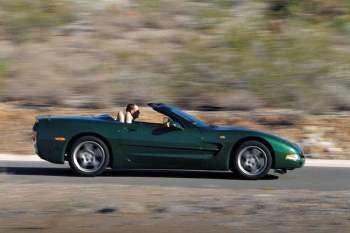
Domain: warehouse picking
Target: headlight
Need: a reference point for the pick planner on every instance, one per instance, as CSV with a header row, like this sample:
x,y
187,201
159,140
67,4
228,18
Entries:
x,y
293,157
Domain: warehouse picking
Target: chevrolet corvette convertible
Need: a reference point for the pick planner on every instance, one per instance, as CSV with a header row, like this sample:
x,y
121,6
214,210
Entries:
x,y
92,143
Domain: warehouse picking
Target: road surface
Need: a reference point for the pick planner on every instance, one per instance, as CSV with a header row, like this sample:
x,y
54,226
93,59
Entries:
x,y
37,196
307,178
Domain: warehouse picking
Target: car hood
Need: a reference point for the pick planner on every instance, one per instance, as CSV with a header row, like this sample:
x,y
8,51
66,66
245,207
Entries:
x,y
229,128
257,132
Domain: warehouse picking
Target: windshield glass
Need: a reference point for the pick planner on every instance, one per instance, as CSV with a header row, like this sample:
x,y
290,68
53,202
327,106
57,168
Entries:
x,y
189,117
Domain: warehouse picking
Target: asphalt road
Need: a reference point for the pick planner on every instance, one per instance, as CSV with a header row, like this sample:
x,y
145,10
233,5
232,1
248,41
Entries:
x,y
307,178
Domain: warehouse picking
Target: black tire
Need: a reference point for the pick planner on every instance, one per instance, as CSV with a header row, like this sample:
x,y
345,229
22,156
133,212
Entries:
x,y
102,153
245,167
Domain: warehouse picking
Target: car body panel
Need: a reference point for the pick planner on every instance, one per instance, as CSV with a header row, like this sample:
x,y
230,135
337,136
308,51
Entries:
x,y
143,145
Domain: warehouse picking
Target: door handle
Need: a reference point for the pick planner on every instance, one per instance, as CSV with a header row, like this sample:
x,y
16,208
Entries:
x,y
130,129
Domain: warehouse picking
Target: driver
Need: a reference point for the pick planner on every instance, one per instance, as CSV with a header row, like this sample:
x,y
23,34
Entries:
x,y
132,113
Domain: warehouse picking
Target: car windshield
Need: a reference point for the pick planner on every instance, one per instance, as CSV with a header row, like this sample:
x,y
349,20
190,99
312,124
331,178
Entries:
x,y
188,117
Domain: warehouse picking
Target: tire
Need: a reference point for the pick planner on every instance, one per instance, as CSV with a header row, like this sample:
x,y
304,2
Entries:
x,y
89,156
252,160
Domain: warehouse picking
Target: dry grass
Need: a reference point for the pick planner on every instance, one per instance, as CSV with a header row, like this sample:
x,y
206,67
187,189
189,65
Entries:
x,y
228,54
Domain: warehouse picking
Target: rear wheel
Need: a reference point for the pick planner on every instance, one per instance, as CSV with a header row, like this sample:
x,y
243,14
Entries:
x,y
89,156
252,160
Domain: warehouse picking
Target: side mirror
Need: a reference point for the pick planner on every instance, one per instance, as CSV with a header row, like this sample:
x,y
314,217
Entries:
x,y
166,120
169,123
175,125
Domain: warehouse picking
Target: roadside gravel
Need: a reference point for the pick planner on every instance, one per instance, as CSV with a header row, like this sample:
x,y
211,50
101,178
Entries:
x,y
122,208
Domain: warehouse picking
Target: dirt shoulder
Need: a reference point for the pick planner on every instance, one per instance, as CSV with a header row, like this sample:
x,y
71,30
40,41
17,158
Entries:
x,y
121,208
322,136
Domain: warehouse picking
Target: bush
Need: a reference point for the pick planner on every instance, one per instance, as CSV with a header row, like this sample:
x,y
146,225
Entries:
x,y
3,74
219,54
24,19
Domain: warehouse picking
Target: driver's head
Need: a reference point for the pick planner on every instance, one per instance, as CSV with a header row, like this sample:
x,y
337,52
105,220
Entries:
x,y
134,110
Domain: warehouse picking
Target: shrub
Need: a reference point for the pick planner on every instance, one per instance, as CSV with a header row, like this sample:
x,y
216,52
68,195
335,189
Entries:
x,y
24,19
3,74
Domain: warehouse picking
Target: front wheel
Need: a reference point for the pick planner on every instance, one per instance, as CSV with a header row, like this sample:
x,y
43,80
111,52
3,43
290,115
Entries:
x,y
89,156
252,160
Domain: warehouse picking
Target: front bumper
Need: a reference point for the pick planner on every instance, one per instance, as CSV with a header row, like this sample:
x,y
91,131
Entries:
x,y
300,163
295,161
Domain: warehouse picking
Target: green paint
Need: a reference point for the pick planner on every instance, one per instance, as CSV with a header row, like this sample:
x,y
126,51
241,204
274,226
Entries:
x,y
150,145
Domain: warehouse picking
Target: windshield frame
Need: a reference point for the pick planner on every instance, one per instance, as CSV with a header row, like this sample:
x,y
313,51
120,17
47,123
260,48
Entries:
x,y
189,118
185,119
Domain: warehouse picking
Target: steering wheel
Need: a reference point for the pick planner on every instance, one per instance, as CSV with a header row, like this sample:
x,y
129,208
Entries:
x,y
166,122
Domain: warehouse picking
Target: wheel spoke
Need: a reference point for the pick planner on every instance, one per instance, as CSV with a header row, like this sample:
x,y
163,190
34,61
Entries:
x,y
84,162
254,169
89,147
80,155
98,153
248,155
256,152
95,163
261,161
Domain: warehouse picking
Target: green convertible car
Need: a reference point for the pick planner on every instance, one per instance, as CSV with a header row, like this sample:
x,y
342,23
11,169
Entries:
x,y
92,143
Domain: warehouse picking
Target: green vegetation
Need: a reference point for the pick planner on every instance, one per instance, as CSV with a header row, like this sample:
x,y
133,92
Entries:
x,y
260,53
293,66
148,5
3,73
26,19
334,14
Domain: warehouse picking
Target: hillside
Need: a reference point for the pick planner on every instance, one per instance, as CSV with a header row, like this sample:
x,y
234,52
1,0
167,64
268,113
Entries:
x,y
218,54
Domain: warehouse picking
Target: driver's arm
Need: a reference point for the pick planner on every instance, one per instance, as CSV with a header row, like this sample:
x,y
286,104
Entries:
x,y
120,117
128,118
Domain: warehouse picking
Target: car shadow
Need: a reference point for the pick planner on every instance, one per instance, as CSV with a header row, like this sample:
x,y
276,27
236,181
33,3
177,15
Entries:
x,y
40,171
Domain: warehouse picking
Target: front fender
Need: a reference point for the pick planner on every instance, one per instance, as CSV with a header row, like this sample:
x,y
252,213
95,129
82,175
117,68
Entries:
x,y
282,150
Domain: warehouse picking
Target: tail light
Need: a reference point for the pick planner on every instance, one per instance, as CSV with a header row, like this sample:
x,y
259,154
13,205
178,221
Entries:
x,y
35,135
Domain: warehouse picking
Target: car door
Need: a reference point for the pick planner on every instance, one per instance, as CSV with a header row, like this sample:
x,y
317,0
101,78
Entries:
x,y
156,146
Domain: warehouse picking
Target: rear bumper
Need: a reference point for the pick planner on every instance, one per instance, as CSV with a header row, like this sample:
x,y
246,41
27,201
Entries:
x,y
45,144
51,151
